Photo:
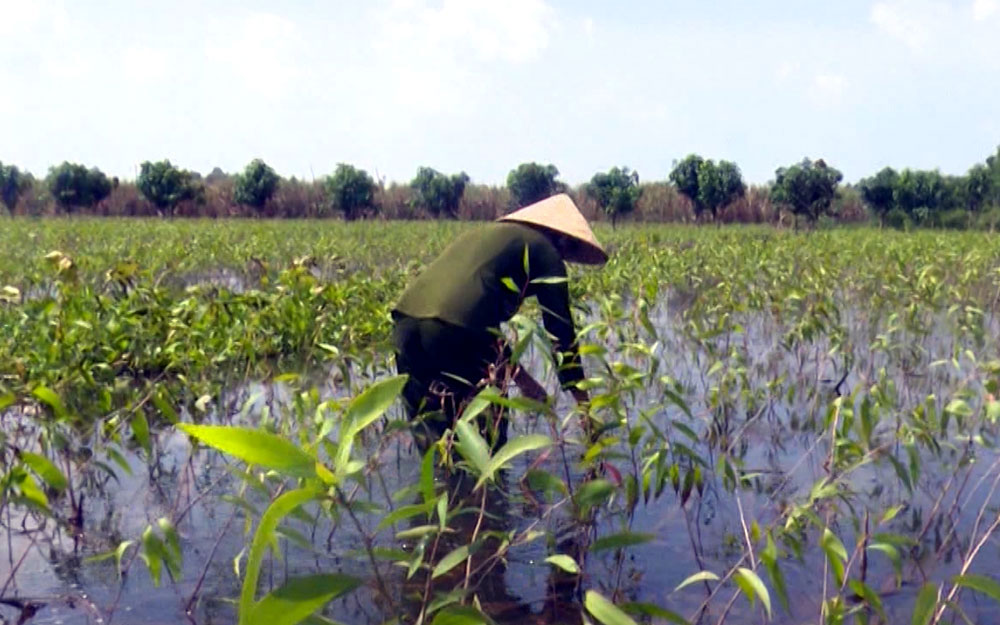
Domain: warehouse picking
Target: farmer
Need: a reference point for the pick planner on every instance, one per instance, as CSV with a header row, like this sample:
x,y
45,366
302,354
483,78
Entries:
x,y
447,322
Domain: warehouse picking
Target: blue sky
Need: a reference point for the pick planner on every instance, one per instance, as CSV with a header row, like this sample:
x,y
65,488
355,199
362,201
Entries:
x,y
483,85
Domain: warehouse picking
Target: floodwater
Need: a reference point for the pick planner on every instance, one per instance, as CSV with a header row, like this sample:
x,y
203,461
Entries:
x,y
56,582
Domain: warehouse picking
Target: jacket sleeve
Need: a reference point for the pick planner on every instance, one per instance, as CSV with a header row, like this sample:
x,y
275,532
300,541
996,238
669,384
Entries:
x,y
553,297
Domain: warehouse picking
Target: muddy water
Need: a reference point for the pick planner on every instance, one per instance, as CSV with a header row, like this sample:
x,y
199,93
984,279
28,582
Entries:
x,y
55,578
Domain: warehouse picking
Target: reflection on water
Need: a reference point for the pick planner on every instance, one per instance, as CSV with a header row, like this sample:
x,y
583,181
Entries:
x,y
773,431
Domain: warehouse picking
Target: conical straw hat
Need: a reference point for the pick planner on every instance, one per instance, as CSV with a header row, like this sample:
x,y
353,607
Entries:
x,y
560,214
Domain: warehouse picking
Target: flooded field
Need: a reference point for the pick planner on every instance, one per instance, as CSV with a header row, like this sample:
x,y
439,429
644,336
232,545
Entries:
x,y
791,428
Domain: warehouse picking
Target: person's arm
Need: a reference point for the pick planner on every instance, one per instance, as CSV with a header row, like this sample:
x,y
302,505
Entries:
x,y
581,396
530,387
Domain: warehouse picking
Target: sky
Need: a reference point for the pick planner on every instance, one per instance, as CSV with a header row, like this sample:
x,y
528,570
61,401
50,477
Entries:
x,y
482,85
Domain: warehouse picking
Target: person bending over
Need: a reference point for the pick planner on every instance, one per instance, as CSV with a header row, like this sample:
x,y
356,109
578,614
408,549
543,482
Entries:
x,y
447,322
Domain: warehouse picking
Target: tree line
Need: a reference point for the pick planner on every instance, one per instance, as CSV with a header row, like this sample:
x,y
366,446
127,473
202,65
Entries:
x,y
696,189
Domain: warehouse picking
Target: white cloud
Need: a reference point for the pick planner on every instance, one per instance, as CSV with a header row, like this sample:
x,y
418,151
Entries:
x,y
984,9
829,88
24,17
438,57
144,64
588,27
515,31
261,50
915,22
787,69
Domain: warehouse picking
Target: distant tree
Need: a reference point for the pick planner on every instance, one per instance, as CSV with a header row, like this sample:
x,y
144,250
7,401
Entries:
x,y
921,194
616,192
216,176
719,185
13,182
878,192
351,191
533,182
708,185
256,185
807,188
685,177
74,186
166,186
983,183
437,193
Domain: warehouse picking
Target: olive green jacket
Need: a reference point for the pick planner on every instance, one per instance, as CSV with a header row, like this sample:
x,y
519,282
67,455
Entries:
x,y
480,280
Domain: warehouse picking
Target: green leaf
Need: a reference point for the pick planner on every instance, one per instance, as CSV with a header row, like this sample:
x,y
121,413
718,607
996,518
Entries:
x,y
172,547
45,470
140,431
832,545
923,609
299,598
654,611
316,619
417,532
564,562
864,591
460,615
592,493
371,404
700,576
605,611
507,282
6,401
48,397
546,482
514,448
31,492
893,554
958,408
120,553
442,511
550,280
404,512
472,447
427,475
980,583
617,541
751,585
769,557
254,447
278,510
441,601
890,514
835,553
153,554
450,561
364,410
164,407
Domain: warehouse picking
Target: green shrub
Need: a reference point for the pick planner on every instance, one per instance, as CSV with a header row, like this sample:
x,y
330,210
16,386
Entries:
x,y
988,219
616,191
351,191
74,186
955,219
532,182
437,193
898,219
256,185
166,186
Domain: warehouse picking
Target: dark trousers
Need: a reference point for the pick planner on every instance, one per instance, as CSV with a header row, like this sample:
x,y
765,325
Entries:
x,y
447,366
